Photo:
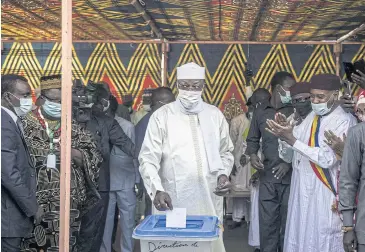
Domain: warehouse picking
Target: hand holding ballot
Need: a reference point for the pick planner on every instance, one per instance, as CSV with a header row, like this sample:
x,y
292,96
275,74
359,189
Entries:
x,y
162,201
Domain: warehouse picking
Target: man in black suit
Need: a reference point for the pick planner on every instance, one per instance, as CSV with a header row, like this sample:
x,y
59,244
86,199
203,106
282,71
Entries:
x,y
18,181
107,132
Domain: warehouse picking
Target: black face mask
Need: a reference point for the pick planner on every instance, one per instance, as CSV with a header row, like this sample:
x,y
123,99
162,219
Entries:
x,y
303,108
97,110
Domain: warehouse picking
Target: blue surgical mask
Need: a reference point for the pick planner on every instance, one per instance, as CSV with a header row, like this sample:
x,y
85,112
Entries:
x,y
322,108
285,99
52,109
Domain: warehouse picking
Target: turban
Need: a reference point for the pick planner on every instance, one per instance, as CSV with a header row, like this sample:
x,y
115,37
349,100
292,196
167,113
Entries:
x,y
51,82
328,82
300,88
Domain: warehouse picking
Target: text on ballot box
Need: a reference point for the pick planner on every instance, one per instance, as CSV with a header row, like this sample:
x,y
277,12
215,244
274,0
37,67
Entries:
x,y
198,236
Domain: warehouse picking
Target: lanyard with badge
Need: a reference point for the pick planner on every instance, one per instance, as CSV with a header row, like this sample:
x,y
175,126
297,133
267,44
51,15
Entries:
x,y
51,158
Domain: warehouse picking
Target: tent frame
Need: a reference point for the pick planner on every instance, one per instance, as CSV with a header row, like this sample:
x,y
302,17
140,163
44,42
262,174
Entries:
x,y
66,59
66,120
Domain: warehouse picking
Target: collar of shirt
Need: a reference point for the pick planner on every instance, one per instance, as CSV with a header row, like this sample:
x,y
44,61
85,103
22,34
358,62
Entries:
x,y
11,113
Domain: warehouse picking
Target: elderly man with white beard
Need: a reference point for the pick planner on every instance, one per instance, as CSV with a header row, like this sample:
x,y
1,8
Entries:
x,y
186,158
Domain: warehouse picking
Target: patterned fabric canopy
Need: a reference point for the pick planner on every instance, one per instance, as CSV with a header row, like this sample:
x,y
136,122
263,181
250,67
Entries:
x,y
227,20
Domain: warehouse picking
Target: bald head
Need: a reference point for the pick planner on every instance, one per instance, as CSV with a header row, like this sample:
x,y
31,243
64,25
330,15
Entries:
x,y
161,96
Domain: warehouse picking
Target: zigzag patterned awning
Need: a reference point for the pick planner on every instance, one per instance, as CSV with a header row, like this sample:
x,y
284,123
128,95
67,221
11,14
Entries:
x,y
209,20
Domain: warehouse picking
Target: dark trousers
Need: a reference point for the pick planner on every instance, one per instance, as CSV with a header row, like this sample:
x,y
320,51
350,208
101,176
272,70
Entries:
x,y
115,227
10,244
92,226
273,208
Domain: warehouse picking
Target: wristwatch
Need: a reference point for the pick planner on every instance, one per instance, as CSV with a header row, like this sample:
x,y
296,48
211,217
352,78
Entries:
x,y
346,229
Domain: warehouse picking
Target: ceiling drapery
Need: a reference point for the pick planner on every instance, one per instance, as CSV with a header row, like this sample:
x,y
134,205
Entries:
x,y
205,20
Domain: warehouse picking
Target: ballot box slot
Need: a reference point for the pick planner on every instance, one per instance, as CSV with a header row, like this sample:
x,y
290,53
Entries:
x,y
190,224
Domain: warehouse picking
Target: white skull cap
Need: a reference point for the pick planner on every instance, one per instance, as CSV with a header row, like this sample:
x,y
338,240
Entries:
x,y
191,71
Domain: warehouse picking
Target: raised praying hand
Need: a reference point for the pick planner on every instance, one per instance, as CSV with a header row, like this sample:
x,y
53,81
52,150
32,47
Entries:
x,y
335,143
282,120
285,133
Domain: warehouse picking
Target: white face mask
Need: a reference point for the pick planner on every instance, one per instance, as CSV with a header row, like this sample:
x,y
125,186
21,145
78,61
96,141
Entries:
x,y
25,106
146,107
107,107
285,99
322,108
189,99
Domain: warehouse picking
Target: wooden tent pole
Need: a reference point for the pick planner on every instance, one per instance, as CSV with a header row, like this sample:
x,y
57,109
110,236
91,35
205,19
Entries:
x,y
351,33
337,49
65,173
165,51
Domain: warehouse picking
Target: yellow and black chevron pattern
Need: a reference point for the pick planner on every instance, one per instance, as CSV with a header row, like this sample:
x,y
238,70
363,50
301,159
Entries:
x,y
103,61
143,68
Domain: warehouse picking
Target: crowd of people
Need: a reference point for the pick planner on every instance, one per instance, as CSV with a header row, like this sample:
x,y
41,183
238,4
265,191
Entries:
x,y
299,149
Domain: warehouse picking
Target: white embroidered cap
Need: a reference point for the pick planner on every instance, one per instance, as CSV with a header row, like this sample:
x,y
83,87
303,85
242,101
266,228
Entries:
x,y
190,71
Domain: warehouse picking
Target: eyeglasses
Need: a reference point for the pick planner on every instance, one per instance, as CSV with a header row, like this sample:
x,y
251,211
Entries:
x,y
197,85
300,100
24,96
50,99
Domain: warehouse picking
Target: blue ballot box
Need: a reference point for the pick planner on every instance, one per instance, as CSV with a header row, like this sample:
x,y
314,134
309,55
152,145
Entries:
x,y
198,236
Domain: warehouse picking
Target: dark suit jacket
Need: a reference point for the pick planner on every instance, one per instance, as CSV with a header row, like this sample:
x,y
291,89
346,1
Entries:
x,y
107,132
140,130
18,181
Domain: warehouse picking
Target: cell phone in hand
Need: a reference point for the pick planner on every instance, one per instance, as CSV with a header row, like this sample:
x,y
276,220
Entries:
x,y
349,70
353,68
347,87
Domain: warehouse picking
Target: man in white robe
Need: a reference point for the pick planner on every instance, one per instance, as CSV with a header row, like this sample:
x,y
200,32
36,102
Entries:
x,y
186,154
313,222
240,176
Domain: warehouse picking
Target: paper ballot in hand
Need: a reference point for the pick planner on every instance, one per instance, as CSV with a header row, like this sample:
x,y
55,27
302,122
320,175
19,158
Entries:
x,y
176,218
